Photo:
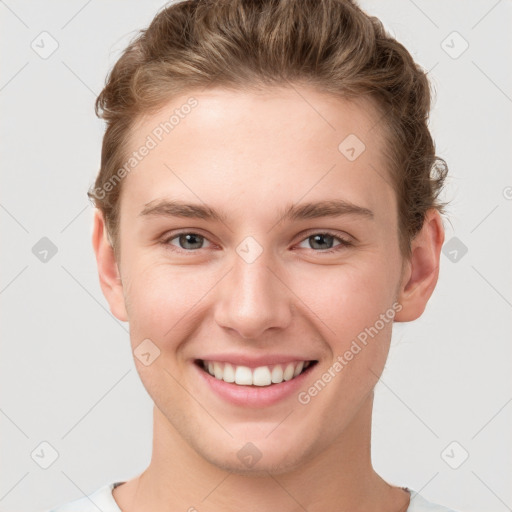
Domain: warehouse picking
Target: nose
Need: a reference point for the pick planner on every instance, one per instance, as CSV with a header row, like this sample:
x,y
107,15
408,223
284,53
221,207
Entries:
x,y
253,298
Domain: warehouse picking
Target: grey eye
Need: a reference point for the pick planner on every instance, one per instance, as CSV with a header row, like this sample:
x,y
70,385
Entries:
x,y
320,241
188,241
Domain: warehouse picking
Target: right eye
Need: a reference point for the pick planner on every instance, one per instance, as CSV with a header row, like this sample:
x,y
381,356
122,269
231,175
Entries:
x,y
188,241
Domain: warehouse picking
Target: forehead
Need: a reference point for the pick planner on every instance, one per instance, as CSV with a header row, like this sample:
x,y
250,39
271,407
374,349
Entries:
x,y
265,144
257,108
279,116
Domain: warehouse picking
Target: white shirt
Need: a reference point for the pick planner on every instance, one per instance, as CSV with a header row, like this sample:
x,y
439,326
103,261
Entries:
x,y
103,500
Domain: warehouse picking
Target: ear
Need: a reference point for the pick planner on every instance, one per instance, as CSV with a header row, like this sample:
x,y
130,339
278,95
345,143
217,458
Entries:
x,y
108,271
421,271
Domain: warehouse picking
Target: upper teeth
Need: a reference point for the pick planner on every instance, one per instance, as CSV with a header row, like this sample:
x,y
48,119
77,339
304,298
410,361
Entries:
x,y
260,376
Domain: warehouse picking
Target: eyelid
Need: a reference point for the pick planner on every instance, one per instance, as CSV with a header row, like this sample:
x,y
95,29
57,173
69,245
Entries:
x,y
345,237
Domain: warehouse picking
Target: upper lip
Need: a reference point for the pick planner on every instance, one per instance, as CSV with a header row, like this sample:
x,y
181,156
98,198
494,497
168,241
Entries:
x,y
254,361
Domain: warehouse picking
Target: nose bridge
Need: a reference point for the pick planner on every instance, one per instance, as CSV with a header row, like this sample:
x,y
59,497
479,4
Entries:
x,y
253,298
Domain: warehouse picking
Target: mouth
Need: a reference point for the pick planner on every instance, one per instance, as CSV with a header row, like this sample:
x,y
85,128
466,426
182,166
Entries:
x,y
261,376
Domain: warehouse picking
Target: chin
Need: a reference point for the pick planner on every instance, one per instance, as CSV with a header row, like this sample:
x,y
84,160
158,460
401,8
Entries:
x,y
269,464
256,456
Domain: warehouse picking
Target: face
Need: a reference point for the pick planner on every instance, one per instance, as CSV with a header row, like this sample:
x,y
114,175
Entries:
x,y
286,260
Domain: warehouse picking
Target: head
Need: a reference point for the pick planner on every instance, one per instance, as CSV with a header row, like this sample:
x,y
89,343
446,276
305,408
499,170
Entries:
x,y
253,113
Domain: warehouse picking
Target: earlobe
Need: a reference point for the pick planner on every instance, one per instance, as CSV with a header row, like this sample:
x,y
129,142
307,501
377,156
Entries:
x,y
108,270
422,270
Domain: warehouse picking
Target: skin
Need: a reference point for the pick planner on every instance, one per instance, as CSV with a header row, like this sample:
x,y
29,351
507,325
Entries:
x,y
249,154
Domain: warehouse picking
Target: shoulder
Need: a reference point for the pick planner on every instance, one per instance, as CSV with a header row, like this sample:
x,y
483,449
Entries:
x,y
101,499
419,504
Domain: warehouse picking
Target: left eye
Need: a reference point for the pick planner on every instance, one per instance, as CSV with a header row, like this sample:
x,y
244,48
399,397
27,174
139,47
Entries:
x,y
322,239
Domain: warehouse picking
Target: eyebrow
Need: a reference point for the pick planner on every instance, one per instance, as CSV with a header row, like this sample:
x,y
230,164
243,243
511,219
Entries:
x,y
311,210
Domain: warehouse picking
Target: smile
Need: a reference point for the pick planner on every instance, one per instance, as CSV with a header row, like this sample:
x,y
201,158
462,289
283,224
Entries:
x,y
260,376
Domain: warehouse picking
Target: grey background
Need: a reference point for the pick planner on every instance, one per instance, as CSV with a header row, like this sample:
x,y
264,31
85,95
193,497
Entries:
x,y
67,374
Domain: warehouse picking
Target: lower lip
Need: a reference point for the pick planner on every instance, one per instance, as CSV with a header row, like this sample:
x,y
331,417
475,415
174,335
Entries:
x,y
253,396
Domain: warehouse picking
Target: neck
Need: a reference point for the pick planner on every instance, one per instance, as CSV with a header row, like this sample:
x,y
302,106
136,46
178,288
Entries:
x,y
339,478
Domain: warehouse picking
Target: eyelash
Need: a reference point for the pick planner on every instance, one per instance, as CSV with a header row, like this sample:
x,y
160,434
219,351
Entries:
x,y
343,242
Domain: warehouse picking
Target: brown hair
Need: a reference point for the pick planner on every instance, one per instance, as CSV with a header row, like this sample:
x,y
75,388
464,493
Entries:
x,y
331,45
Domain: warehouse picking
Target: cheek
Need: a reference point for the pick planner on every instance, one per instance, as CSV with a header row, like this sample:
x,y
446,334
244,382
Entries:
x,y
163,299
348,298
163,303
